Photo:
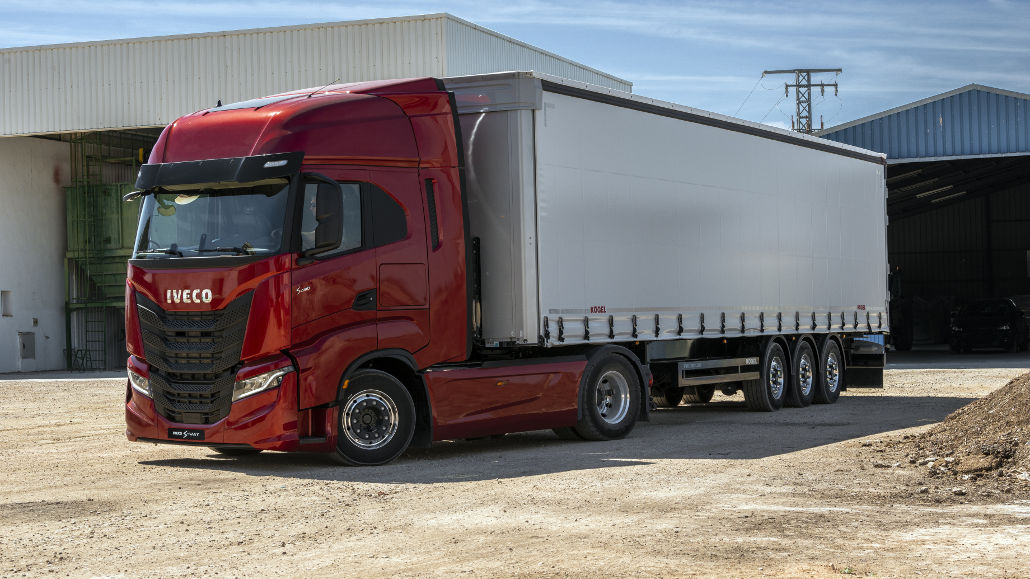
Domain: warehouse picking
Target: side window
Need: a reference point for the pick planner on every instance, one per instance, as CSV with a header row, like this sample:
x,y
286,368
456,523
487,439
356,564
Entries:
x,y
351,238
388,220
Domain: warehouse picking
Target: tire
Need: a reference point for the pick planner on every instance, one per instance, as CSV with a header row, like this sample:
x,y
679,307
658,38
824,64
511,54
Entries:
x,y
767,393
804,372
698,394
376,419
669,397
235,450
831,373
609,399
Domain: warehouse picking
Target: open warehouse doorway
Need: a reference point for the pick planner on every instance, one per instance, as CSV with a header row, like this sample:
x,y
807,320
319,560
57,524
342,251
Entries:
x,y
958,204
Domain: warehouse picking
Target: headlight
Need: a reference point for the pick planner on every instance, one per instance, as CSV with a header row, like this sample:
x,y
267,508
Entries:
x,y
1004,327
259,383
140,384
955,328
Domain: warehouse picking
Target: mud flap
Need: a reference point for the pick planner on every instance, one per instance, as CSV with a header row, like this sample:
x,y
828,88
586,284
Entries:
x,y
865,367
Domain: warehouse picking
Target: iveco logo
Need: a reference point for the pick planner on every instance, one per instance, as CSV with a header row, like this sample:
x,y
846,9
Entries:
x,y
186,296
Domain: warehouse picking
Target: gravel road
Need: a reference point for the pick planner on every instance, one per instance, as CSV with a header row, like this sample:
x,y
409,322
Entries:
x,y
700,490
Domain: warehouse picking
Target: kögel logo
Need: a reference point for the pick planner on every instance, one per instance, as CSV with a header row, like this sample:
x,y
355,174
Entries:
x,y
185,296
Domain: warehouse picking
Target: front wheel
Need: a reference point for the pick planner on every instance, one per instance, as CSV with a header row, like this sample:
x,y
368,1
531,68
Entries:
x,y
609,399
376,419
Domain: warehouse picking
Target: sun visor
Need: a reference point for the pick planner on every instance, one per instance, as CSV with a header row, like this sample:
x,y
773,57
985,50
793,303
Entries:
x,y
230,170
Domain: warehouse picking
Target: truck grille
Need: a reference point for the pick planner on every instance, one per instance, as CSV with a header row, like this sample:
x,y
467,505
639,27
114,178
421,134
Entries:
x,y
193,358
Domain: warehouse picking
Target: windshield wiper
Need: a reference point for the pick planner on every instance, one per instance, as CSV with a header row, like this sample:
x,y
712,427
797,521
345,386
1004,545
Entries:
x,y
244,249
173,250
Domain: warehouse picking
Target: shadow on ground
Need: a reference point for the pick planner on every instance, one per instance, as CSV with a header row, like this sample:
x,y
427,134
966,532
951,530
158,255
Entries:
x,y
716,431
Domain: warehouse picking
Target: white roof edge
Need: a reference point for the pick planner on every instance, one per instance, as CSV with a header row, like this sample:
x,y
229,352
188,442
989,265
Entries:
x,y
673,106
235,32
536,48
922,102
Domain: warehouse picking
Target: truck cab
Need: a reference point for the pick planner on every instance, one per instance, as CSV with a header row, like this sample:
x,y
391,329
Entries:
x,y
316,225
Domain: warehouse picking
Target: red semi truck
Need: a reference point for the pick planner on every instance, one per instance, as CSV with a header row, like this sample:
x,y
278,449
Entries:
x,y
363,267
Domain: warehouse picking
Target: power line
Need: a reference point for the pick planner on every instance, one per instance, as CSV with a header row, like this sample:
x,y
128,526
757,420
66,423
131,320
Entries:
x,y
749,95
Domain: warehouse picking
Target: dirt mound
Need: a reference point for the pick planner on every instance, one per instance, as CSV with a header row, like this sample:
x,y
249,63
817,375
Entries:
x,y
988,437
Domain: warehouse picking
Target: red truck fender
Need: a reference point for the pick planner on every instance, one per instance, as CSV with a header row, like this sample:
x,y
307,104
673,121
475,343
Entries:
x,y
401,365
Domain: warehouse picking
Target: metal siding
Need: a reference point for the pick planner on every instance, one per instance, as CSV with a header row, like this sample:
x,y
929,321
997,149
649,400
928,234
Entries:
x,y
471,50
153,81
974,122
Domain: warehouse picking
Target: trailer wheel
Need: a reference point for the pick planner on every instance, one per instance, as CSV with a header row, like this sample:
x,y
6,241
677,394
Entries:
x,y
669,397
830,377
766,394
609,399
804,376
376,419
698,394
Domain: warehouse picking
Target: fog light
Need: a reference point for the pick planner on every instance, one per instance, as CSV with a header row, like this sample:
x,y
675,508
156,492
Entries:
x,y
140,384
259,383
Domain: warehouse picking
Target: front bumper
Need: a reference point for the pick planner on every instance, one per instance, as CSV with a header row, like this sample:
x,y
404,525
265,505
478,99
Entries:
x,y
269,420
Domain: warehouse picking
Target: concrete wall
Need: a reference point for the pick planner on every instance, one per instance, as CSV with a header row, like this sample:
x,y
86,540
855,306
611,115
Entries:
x,y
33,173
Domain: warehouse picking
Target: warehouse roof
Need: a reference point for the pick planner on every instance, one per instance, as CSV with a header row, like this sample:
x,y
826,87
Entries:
x,y
974,121
147,82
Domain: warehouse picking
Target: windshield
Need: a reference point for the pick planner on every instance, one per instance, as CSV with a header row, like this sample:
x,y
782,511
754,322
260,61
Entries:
x,y
242,219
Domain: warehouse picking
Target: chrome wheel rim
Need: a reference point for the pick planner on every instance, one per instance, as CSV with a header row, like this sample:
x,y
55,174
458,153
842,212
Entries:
x,y
805,375
612,397
832,373
775,378
370,419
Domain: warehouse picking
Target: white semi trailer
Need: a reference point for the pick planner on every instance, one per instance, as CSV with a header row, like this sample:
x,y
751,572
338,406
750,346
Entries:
x,y
728,254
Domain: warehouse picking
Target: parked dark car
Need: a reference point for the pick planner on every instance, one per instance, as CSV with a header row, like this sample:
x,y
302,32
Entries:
x,y
989,323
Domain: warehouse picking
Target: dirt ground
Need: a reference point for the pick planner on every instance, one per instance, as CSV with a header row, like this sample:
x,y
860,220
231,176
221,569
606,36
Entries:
x,y
700,490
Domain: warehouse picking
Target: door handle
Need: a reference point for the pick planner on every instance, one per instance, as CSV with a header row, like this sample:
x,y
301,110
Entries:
x,y
365,300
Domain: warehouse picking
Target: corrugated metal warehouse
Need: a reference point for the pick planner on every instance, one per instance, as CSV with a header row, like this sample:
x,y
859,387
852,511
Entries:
x,y
76,121
958,203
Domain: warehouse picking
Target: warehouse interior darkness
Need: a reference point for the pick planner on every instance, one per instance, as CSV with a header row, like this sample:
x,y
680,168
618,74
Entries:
x,y
957,230
958,204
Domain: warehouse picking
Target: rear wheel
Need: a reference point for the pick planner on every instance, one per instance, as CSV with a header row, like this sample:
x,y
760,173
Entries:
x,y
803,376
767,393
698,394
831,374
376,419
609,399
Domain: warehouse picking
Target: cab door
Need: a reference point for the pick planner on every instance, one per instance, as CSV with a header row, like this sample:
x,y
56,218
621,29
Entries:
x,y
332,294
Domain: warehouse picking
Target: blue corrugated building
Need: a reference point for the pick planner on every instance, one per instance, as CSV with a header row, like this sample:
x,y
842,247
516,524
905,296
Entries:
x,y
958,200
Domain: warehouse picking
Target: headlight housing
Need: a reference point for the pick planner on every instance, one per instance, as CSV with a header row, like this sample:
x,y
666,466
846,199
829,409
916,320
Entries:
x,y
955,328
259,383
1004,327
140,384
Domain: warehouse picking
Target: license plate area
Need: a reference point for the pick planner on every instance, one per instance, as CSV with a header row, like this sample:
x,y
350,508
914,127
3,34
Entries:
x,y
185,434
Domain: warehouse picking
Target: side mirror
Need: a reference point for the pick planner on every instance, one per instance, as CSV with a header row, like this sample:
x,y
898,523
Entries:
x,y
329,215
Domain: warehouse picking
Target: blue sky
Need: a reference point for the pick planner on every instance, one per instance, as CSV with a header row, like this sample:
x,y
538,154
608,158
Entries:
x,y
703,54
